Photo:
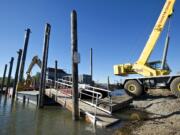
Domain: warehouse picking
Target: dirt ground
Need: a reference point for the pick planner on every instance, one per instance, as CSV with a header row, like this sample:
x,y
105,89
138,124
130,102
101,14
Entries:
x,y
158,113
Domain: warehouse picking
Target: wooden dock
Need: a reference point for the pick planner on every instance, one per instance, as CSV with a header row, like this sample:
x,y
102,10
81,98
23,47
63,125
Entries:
x,y
100,118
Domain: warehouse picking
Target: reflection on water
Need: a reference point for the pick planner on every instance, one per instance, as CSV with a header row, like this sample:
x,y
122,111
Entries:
x,y
17,118
117,92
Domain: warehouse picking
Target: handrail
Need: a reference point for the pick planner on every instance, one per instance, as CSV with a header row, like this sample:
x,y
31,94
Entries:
x,y
96,97
93,92
88,86
49,80
64,81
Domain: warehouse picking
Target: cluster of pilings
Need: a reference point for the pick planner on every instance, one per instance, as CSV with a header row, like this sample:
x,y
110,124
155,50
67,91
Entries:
x,y
18,79
19,68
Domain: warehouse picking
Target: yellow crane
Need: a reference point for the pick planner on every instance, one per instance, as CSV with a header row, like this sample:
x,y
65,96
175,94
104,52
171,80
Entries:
x,y
141,66
152,77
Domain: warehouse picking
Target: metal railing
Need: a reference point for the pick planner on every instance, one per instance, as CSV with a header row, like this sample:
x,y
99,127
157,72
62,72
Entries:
x,y
49,83
94,96
64,82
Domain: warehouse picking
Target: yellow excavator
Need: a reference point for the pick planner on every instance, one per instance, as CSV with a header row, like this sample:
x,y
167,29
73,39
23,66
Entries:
x,y
154,76
27,84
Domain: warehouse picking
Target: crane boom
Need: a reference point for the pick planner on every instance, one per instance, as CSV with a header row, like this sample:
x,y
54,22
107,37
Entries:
x,y
154,76
165,14
141,66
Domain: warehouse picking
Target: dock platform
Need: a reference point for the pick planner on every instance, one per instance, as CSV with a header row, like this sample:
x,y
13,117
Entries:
x,y
91,113
28,96
95,108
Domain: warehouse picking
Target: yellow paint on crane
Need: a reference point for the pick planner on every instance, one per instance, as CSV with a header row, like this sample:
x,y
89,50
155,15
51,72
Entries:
x,y
141,66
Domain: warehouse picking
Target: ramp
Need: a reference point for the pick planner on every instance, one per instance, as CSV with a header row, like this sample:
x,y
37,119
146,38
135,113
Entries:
x,y
90,112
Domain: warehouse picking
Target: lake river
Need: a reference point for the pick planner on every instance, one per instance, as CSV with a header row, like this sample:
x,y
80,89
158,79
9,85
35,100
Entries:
x,y
25,119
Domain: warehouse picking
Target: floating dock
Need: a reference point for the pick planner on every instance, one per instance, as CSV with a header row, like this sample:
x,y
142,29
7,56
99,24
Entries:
x,y
28,96
92,114
92,105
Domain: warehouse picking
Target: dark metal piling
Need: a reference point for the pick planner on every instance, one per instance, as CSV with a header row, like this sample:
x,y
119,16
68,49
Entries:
x,y
55,73
24,99
24,53
16,73
91,63
44,66
9,75
4,77
108,83
75,61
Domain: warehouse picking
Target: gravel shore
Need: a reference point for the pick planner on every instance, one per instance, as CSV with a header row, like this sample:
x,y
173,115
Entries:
x,y
156,113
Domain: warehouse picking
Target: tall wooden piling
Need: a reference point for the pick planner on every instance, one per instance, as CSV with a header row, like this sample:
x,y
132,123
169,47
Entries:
x,y
74,53
44,66
24,53
9,75
55,73
16,73
4,76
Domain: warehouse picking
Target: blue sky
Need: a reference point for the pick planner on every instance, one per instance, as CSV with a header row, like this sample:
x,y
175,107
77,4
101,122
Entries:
x,y
117,30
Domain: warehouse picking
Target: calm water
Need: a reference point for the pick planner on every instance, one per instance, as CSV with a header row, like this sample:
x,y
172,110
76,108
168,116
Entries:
x,y
25,119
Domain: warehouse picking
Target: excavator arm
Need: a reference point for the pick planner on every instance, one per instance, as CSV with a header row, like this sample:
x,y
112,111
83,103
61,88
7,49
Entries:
x,y
27,84
141,66
34,61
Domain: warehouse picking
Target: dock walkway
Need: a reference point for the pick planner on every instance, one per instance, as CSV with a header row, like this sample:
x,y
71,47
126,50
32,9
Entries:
x,y
97,105
92,114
